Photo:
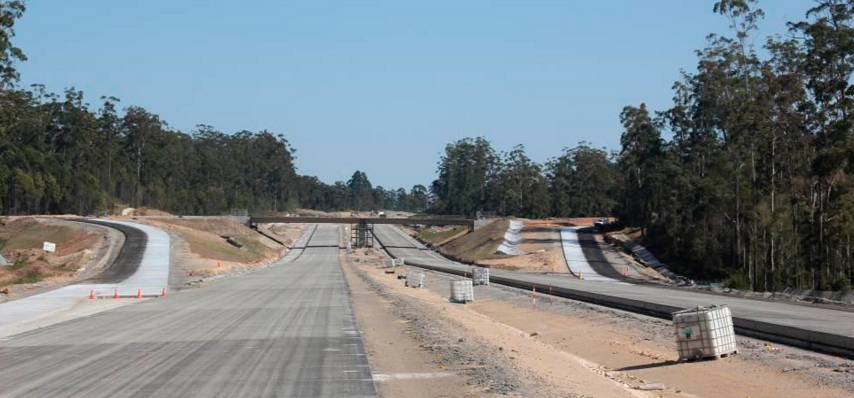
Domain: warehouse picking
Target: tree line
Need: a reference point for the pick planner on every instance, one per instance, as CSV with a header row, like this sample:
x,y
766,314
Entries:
x,y
473,176
57,155
747,177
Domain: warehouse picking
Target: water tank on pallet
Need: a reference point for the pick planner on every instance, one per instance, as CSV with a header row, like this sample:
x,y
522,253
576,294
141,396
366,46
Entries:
x,y
704,332
462,291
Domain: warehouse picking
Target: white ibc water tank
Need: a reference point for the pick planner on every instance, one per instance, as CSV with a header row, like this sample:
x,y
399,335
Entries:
x,y
704,332
462,291
414,278
480,276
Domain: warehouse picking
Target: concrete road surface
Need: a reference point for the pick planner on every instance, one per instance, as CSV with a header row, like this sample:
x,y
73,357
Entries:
x,y
806,318
577,261
284,331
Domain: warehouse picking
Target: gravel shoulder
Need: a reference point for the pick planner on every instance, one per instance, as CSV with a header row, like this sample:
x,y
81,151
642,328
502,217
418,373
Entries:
x,y
405,361
638,350
498,357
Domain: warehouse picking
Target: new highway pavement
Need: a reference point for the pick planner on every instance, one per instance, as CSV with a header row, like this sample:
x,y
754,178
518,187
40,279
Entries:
x,y
284,331
819,328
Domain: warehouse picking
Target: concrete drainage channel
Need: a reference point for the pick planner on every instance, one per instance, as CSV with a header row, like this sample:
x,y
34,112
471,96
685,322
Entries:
x,y
796,337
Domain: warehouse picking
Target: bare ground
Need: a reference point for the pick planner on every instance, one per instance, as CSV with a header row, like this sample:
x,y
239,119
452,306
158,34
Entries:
x,y
508,361
83,250
575,349
406,351
200,250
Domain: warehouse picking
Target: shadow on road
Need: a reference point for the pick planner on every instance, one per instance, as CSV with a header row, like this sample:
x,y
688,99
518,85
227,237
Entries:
x,y
649,366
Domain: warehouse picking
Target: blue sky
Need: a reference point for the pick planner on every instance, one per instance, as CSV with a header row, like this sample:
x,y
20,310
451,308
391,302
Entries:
x,y
379,86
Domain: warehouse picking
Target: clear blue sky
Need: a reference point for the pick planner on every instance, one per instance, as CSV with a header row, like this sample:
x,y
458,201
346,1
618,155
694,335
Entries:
x,y
379,86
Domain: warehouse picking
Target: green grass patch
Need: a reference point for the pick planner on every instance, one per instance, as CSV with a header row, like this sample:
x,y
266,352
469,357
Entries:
x,y
31,275
18,264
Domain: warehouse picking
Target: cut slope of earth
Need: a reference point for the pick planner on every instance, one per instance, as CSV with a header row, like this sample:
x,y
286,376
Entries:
x,y
540,239
285,233
439,235
29,233
478,245
200,248
81,251
207,239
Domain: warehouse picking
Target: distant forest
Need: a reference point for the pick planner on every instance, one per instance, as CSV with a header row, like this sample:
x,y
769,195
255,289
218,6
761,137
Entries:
x,y
749,176
59,156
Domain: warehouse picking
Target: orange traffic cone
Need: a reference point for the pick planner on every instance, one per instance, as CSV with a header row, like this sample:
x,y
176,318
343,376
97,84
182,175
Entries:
x,y
116,294
138,292
163,293
92,294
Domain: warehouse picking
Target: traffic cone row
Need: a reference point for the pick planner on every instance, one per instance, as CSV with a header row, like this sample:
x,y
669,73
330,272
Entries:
x,y
93,296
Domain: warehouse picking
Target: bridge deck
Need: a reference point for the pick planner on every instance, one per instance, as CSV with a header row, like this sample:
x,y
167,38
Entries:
x,y
356,220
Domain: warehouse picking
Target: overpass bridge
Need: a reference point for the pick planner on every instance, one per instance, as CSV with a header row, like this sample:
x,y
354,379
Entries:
x,y
362,232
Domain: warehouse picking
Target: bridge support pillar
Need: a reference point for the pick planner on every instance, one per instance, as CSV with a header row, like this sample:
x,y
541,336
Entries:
x,y
362,234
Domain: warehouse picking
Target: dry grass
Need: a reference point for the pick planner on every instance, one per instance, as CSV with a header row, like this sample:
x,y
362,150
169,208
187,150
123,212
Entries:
x,y
478,245
205,237
22,240
438,236
150,211
25,233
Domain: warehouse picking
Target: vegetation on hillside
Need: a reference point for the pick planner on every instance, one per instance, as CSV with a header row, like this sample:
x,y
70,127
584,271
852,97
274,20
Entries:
x,y
748,176
439,236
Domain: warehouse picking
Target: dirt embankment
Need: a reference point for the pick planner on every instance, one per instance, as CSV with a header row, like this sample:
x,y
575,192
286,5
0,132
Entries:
x,y
81,251
438,235
205,247
142,212
540,240
287,234
478,245
541,243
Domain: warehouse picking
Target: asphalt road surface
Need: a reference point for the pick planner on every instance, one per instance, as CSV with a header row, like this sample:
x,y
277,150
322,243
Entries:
x,y
284,331
809,319
130,255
